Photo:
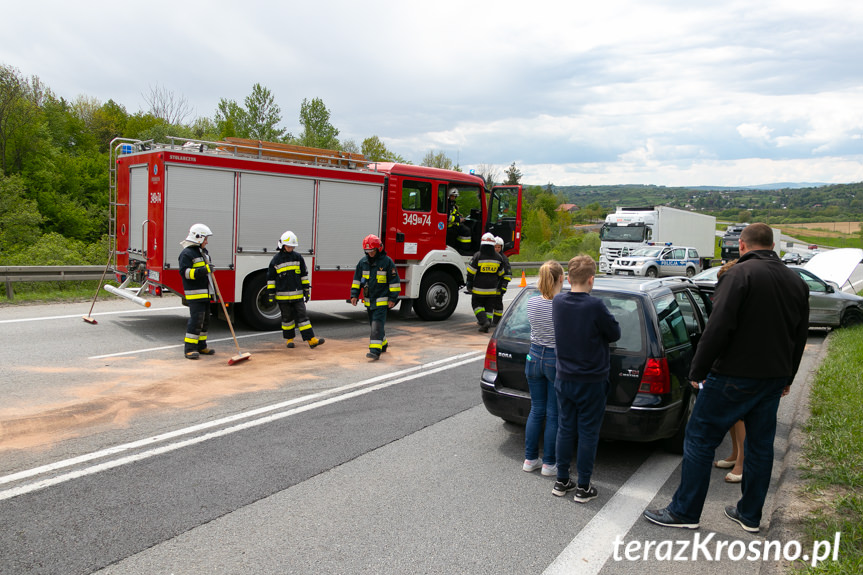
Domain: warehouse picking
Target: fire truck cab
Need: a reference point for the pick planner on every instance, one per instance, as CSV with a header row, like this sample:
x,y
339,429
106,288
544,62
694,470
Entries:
x,y
249,192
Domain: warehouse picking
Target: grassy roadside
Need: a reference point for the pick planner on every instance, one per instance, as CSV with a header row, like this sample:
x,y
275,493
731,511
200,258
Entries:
x,y
832,466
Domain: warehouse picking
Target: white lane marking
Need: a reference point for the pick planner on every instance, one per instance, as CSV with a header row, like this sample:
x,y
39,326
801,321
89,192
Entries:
x,y
79,316
591,548
425,369
174,346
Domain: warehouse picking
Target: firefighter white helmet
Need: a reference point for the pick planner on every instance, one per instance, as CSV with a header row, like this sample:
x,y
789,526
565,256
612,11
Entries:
x,y
453,193
198,233
487,239
498,241
288,238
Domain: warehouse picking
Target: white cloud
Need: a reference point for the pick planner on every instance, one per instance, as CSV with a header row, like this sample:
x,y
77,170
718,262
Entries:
x,y
629,91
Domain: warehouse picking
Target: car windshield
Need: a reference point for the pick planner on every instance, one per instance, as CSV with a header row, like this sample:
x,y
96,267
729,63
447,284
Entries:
x,y
625,309
707,275
647,252
622,233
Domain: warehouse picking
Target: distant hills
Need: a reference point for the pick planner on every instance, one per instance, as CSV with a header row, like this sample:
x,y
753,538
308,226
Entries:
x,y
777,186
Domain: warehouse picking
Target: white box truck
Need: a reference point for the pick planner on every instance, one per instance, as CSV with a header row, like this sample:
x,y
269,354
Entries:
x,y
628,229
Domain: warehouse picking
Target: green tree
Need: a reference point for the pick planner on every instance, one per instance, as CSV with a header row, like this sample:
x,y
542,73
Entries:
x,y
19,118
231,120
20,219
263,115
434,159
513,175
376,151
317,132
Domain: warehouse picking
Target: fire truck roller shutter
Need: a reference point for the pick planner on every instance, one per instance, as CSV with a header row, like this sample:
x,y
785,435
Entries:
x,y
271,204
347,212
199,195
138,208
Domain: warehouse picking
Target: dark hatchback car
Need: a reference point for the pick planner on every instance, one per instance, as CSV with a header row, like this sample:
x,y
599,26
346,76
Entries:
x,y
650,397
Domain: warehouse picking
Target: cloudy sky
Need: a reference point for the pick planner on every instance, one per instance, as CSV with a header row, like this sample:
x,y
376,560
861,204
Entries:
x,y
669,92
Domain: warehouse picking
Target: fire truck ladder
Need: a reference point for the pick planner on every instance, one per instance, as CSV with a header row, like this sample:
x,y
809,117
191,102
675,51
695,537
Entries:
x,y
117,147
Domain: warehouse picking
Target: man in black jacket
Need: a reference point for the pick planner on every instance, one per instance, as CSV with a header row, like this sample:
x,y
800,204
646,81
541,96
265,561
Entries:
x,y
745,362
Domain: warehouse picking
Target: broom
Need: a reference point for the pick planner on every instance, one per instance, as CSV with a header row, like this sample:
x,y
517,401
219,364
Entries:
x,y
240,355
89,318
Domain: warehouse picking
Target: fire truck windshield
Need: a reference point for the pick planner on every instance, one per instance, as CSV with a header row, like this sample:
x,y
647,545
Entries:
x,y
622,233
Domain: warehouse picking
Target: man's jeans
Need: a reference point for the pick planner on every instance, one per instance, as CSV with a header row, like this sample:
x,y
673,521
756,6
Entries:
x,y
581,408
721,402
540,371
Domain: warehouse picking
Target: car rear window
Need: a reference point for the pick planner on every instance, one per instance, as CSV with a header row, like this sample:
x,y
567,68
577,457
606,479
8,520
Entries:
x,y
625,309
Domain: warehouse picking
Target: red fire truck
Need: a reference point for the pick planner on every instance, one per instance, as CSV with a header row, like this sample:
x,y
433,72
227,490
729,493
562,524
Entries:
x,y
249,192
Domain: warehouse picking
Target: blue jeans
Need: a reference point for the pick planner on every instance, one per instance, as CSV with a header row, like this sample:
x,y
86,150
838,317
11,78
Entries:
x,y
540,370
581,407
723,401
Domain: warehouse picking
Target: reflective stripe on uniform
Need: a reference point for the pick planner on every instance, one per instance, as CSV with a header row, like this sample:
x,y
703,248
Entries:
x,y
305,325
289,295
197,294
484,291
191,338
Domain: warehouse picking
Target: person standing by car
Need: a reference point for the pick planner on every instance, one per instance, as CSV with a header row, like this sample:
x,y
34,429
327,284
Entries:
x,y
745,361
583,330
540,370
377,280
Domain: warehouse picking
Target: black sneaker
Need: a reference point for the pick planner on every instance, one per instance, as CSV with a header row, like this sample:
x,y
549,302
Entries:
x,y
583,495
732,513
561,487
666,518
483,328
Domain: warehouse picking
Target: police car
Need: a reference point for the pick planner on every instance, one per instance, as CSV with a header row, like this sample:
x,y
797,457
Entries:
x,y
658,261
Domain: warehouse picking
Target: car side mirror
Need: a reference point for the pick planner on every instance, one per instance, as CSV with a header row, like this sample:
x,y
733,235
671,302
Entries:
x,y
830,288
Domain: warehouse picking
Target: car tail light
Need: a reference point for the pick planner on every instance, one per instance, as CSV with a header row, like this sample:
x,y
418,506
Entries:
x,y
491,355
656,378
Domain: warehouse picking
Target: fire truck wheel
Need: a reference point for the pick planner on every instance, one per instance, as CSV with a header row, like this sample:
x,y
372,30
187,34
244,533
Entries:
x,y
438,296
257,312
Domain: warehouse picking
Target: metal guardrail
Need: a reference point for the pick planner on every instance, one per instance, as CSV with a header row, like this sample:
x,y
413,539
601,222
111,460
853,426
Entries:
x,y
12,274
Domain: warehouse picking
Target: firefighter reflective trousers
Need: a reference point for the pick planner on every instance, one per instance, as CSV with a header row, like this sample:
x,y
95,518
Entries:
x,y
377,339
294,316
483,308
196,327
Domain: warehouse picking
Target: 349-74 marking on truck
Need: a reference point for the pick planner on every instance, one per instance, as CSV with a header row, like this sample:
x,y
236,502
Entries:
x,y
416,219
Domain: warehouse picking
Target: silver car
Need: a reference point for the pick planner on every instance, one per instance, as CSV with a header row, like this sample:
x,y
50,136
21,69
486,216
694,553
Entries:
x,y
829,306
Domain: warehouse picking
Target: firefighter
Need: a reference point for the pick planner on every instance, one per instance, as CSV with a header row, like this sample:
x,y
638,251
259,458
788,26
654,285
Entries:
x,y
378,282
457,233
288,285
504,281
484,274
194,269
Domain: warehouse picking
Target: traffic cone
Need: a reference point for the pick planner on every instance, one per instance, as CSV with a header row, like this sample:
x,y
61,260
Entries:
x,y
523,280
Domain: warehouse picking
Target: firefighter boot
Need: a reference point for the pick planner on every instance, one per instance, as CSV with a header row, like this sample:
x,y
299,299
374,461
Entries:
x,y
290,343
315,342
207,351
192,355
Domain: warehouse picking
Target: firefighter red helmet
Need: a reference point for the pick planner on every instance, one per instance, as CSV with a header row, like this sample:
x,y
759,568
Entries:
x,y
372,242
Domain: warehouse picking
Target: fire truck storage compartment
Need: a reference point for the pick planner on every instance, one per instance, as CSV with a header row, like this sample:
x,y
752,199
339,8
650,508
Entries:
x,y
347,212
138,195
270,205
199,195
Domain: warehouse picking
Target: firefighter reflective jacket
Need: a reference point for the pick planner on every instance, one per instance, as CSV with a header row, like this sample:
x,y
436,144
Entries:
x,y
287,276
376,280
194,270
485,272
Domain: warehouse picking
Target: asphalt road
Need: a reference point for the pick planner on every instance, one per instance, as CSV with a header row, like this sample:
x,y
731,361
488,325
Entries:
x,y
118,456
